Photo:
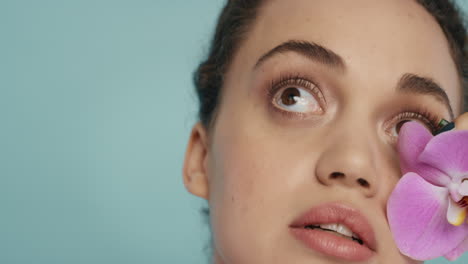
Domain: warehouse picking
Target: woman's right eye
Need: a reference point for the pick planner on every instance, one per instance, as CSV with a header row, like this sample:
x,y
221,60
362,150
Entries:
x,y
297,100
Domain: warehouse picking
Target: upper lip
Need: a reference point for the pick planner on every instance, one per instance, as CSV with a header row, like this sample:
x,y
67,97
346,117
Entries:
x,y
341,214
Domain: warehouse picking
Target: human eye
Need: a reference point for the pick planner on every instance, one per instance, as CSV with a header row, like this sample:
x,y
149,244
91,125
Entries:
x,y
296,96
426,118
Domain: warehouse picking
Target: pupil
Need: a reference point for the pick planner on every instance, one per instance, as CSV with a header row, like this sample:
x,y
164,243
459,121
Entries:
x,y
288,97
399,125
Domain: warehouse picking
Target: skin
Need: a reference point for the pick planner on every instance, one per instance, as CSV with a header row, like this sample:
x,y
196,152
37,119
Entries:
x,y
260,169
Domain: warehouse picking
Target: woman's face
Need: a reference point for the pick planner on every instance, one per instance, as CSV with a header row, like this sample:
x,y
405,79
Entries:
x,y
309,115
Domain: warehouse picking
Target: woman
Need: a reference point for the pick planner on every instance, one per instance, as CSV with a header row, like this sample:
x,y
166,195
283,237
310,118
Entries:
x,y
300,106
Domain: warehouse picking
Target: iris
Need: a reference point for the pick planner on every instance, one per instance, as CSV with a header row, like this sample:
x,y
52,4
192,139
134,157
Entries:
x,y
427,209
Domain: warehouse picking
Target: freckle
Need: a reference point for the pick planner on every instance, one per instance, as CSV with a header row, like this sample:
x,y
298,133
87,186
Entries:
x,y
232,199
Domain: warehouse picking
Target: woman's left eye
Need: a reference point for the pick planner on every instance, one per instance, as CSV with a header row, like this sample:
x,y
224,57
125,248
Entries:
x,y
296,99
430,122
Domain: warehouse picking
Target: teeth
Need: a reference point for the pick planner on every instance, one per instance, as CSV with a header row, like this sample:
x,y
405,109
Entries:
x,y
339,228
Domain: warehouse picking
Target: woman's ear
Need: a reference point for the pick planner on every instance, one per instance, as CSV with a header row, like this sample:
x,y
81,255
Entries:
x,y
195,169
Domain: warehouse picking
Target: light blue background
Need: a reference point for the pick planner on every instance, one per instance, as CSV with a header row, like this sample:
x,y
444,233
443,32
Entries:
x,y
96,105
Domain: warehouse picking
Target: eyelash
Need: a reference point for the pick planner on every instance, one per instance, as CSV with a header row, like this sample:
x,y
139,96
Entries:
x,y
424,115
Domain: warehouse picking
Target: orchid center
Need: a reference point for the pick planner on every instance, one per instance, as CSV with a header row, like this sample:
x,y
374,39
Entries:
x,y
456,213
457,210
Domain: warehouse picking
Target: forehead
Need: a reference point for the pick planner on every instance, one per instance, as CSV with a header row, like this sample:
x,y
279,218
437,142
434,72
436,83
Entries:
x,y
378,40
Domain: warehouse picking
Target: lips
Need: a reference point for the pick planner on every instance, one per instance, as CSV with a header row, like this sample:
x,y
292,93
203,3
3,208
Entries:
x,y
306,229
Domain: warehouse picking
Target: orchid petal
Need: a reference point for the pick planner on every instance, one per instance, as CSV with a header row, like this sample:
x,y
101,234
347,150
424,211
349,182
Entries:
x,y
412,141
448,152
463,188
417,217
455,213
458,251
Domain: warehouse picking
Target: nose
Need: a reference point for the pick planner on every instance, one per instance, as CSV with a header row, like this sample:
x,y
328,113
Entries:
x,y
349,160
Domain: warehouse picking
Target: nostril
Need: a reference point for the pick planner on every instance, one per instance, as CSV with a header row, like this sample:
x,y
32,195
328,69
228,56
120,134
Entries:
x,y
336,175
363,182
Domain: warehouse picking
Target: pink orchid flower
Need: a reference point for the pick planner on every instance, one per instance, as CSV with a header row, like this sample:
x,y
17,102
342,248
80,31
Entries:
x,y
428,207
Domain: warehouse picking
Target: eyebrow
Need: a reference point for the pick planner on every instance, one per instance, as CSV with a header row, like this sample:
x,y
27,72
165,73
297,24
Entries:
x,y
408,83
412,83
311,50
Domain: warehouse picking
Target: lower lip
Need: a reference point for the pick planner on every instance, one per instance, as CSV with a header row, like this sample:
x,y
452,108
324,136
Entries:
x,y
332,245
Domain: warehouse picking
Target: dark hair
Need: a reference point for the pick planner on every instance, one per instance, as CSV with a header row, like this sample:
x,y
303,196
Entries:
x,y
234,22
237,17
453,24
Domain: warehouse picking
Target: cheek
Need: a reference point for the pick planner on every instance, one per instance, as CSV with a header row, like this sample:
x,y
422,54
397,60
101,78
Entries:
x,y
241,177
248,169
246,194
